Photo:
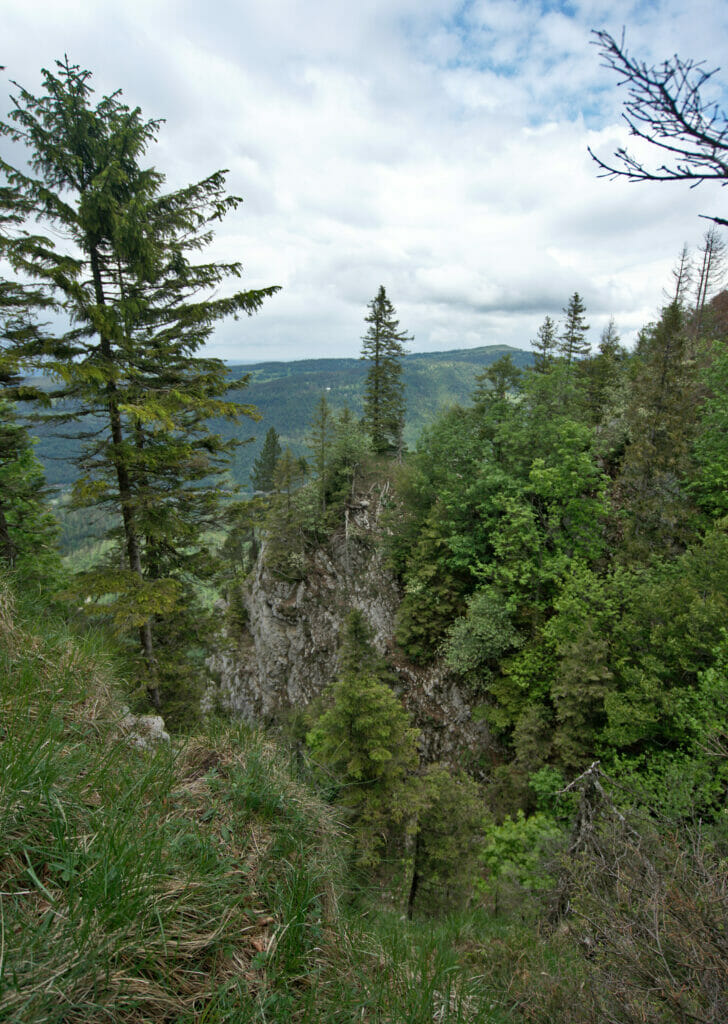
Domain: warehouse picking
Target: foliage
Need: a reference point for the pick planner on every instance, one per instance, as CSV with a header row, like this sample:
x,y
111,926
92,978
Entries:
x,y
365,740
265,464
572,343
320,441
661,422
545,346
28,531
383,347
476,643
519,856
140,311
434,594
357,653
709,485
447,839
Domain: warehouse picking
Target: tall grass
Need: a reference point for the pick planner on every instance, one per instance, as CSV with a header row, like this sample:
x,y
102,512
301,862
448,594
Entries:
x,y
138,885
198,883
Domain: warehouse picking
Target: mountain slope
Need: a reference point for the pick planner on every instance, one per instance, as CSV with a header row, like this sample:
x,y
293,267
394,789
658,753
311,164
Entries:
x,y
285,394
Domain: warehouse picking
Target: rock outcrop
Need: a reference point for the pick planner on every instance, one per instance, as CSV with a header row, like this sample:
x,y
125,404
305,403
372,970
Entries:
x,y
288,653
143,731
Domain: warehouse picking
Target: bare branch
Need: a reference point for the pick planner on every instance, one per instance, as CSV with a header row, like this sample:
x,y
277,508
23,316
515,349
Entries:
x,y
664,107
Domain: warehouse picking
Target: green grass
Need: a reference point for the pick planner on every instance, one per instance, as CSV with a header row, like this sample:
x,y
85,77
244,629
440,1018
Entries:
x,y
143,886
201,882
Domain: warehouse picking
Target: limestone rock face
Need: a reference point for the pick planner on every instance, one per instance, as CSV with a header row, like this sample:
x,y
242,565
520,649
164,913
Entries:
x,y
288,653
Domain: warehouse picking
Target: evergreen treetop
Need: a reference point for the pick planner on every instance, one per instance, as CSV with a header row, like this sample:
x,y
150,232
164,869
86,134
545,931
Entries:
x,y
573,344
545,346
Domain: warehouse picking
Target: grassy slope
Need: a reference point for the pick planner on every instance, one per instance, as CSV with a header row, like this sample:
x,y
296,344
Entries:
x,y
204,882
195,883
182,885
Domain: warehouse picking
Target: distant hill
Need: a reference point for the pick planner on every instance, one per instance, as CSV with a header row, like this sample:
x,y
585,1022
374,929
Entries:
x,y
285,394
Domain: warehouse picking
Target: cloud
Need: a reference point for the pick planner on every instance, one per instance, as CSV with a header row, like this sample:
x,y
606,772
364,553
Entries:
x,y
437,147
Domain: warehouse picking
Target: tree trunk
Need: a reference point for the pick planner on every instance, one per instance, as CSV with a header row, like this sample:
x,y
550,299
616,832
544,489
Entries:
x,y
415,884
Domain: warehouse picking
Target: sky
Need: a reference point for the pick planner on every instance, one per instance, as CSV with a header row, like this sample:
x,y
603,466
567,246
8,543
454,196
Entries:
x,y
436,147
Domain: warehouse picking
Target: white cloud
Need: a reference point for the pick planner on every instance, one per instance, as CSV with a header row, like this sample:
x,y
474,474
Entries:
x,y
433,146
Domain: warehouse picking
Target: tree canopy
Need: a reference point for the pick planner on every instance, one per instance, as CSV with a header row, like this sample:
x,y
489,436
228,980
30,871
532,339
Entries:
x,y
122,270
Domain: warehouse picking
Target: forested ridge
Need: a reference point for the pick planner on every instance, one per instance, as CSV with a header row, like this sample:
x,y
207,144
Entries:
x,y
285,394
558,539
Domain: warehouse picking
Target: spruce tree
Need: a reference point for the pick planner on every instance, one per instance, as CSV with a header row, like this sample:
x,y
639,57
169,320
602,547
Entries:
x,y
366,741
572,343
545,346
28,531
602,379
383,346
265,464
139,312
320,440
662,424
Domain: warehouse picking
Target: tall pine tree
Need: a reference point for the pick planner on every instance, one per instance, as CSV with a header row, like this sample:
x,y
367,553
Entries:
x,y
139,311
573,344
265,464
383,346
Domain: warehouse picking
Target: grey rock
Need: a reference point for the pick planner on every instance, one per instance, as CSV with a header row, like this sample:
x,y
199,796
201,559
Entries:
x,y
288,653
143,731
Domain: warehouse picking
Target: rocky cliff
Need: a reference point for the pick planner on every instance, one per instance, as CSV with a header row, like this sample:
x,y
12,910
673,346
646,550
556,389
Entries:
x,y
288,652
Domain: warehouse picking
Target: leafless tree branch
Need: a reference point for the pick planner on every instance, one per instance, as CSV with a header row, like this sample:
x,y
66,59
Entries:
x,y
665,108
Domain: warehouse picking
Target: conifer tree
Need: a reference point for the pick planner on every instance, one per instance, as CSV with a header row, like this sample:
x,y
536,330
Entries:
x,y
350,446
139,312
602,376
572,343
682,274
357,653
320,440
662,423
710,272
383,346
545,346
265,464
366,740
284,526
710,485
28,532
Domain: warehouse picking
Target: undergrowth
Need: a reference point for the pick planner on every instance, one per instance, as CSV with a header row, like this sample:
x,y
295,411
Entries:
x,y
175,885
196,882
202,882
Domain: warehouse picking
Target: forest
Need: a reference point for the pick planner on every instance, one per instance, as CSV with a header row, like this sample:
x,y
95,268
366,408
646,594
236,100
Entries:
x,y
557,541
